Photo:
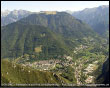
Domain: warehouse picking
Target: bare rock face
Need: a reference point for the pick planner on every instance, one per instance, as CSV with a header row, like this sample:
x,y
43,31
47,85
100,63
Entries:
x,y
104,77
49,12
8,17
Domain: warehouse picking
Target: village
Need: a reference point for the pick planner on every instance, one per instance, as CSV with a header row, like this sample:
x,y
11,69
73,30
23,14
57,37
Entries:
x,y
81,47
81,66
49,64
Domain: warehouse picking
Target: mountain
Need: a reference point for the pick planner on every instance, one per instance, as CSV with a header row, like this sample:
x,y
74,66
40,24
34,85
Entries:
x,y
68,11
46,35
8,17
17,74
104,76
97,18
4,13
61,23
19,39
51,45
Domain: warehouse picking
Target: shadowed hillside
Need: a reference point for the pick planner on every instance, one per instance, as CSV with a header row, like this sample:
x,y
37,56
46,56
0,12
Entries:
x,y
16,74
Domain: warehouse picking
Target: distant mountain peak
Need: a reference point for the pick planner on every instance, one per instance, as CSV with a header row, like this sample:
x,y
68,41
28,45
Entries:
x,y
5,13
97,17
12,16
104,6
68,11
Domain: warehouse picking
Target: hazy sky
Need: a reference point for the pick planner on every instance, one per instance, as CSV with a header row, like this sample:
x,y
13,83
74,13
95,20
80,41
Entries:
x,y
36,6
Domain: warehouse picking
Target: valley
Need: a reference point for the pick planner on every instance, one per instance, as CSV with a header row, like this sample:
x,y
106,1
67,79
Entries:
x,y
83,67
55,48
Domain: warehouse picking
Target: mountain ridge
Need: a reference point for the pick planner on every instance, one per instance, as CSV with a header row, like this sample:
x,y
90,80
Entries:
x,y
97,18
8,17
64,27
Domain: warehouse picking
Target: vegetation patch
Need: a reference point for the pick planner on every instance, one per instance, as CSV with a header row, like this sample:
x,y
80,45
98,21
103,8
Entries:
x,y
38,49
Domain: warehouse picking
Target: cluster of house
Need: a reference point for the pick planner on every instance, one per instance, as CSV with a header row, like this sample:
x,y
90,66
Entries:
x,y
90,69
80,48
89,79
49,64
46,64
43,64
